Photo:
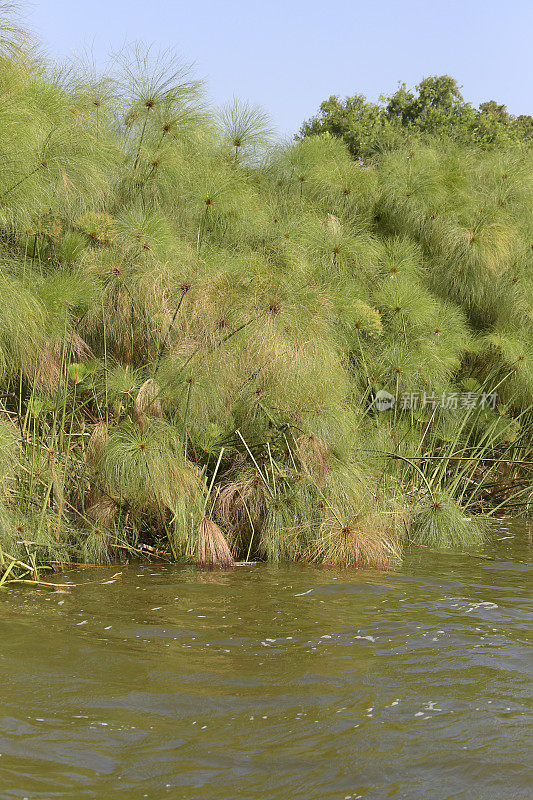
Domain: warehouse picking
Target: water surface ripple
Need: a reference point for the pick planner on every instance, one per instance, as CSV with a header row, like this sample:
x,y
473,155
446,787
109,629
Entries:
x,y
274,683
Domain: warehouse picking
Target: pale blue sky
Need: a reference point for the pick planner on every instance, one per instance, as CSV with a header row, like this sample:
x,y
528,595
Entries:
x,y
288,55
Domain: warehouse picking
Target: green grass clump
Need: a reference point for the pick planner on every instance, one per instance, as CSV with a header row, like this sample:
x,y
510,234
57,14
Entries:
x,y
441,522
195,322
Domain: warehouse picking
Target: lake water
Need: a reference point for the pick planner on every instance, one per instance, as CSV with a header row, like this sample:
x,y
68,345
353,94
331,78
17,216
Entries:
x,y
274,683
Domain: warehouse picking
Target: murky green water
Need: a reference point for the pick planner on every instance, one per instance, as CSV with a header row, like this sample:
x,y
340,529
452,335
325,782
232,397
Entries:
x,y
266,683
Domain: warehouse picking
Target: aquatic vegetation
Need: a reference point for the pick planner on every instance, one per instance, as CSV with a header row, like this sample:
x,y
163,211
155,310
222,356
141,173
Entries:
x,y
195,324
439,521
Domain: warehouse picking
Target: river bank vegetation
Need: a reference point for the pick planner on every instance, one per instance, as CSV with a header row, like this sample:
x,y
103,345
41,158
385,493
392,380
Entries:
x,y
195,322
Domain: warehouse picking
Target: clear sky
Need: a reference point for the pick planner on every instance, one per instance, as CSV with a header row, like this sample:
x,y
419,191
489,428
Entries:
x,y
288,55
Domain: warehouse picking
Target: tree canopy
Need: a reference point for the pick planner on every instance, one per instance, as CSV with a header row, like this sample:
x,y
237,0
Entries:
x,y
435,108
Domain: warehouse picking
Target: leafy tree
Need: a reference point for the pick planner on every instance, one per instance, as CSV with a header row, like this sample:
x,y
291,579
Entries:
x,y
524,127
497,110
435,108
363,125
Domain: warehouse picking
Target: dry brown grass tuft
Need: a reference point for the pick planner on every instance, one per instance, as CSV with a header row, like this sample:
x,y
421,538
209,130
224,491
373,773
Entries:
x,y
357,542
147,403
96,444
242,503
315,457
50,363
213,549
103,511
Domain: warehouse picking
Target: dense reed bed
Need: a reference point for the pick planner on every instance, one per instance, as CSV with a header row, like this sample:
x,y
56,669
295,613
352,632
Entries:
x,y
195,322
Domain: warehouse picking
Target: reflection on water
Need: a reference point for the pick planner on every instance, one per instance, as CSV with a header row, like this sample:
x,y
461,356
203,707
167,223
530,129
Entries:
x,y
274,683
